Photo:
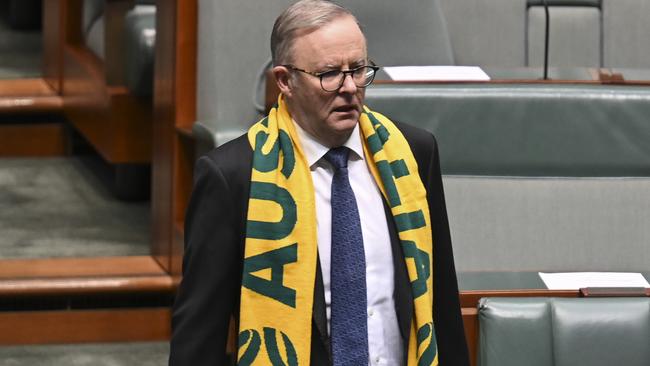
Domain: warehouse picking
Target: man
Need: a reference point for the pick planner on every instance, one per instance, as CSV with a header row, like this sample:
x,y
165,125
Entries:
x,y
323,230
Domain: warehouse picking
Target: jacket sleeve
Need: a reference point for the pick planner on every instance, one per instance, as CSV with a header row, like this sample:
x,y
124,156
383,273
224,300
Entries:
x,y
210,287
450,333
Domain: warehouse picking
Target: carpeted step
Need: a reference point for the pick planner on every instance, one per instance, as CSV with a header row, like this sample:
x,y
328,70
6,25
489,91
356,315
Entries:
x,y
58,207
102,354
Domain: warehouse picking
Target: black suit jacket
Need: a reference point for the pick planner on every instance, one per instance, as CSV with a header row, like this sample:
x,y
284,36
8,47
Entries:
x,y
214,251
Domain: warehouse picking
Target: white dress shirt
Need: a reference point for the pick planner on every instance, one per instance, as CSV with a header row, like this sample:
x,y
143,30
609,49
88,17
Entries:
x,y
384,341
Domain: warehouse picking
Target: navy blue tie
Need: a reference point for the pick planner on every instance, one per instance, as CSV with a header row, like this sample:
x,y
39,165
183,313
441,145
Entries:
x,y
348,322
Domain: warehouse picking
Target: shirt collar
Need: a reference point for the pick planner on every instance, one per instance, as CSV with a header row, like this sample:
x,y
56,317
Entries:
x,y
314,150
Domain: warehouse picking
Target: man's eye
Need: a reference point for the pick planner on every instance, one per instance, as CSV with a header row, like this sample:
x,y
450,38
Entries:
x,y
330,74
360,70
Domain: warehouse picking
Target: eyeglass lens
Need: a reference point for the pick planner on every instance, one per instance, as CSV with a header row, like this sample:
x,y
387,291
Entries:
x,y
333,80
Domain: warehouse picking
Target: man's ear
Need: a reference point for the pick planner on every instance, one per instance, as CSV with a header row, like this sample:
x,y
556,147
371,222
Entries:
x,y
283,79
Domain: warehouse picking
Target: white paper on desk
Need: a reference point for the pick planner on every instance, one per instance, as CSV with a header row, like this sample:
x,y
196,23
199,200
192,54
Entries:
x,y
436,73
577,280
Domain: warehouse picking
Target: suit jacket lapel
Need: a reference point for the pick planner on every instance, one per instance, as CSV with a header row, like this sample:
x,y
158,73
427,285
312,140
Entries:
x,y
402,293
319,312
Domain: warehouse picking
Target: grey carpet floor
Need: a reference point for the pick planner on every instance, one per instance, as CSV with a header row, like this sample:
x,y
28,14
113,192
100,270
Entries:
x,y
56,207
106,354
20,53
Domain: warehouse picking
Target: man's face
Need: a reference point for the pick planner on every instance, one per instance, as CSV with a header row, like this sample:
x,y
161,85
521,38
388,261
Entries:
x,y
328,116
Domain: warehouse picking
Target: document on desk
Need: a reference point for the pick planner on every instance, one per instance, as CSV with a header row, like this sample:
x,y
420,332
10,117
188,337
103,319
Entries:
x,y
578,280
436,73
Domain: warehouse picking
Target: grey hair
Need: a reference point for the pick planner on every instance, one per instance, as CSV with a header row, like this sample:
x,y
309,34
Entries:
x,y
304,15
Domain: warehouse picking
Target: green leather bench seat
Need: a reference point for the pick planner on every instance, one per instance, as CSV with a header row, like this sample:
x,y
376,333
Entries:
x,y
564,331
528,129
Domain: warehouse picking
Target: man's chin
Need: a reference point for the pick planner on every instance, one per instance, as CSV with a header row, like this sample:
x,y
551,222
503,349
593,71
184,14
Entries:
x,y
345,125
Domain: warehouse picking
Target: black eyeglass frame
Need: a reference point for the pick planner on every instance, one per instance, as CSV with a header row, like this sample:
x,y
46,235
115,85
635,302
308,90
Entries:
x,y
345,73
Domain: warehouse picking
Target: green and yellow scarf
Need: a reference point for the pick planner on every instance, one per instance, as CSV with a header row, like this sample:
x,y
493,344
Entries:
x,y
281,244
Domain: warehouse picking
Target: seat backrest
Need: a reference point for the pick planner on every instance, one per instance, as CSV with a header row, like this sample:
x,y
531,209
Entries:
x,y
564,331
487,32
575,34
412,32
626,33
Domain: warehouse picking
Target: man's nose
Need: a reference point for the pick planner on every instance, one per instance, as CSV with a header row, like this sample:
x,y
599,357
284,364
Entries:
x,y
348,85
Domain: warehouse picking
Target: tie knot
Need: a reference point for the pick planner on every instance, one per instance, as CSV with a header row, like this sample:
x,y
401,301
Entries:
x,y
338,157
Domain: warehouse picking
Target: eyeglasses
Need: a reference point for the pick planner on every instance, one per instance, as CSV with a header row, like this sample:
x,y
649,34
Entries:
x,y
332,81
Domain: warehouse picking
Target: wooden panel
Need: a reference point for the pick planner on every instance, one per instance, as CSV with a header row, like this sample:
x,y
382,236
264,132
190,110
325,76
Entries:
x,y
174,107
84,73
86,102
86,286
78,276
23,105
186,74
470,299
186,61
84,326
18,96
184,161
25,88
470,323
72,10
132,118
121,130
116,123
45,139
79,267
114,13
53,36
163,133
